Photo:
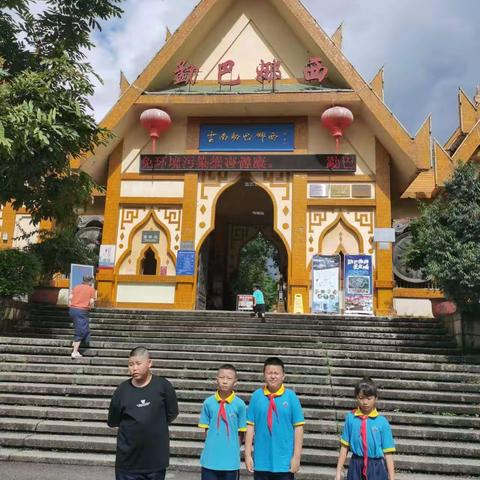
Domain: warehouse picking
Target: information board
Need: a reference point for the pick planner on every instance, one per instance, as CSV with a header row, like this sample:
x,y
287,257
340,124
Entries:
x,y
185,262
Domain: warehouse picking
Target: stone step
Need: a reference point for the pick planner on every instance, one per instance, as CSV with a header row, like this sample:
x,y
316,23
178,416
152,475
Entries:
x,y
84,443
430,426
187,341
117,349
311,335
309,376
324,435
316,400
244,324
187,469
56,381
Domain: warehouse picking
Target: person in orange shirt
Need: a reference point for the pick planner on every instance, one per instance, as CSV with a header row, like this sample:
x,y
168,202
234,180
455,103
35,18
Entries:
x,y
82,299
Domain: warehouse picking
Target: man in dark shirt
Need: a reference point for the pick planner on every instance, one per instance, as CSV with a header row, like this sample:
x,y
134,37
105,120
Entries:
x,y
142,408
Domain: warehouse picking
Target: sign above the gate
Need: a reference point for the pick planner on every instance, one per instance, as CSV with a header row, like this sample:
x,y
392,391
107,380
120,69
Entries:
x,y
259,163
256,137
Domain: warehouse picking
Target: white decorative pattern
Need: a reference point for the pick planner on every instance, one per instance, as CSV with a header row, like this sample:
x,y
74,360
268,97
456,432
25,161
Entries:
x,y
321,220
210,185
279,184
131,217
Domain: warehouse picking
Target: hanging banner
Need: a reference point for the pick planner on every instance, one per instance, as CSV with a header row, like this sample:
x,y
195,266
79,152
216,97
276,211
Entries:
x,y
358,284
325,284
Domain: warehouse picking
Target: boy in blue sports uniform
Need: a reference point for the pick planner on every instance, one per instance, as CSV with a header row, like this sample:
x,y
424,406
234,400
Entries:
x,y
275,418
223,417
369,436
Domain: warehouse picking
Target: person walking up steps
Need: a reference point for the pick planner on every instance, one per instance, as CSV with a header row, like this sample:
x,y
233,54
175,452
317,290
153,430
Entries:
x,y
258,303
82,299
369,437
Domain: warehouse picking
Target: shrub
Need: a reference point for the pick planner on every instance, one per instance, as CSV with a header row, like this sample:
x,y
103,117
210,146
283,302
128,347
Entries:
x,y
19,271
57,250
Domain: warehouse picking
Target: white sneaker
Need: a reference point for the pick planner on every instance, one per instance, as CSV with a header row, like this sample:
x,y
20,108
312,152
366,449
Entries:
x,y
76,355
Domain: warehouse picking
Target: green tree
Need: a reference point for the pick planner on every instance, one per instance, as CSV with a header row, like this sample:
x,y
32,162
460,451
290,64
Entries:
x,y
57,250
446,238
45,116
252,269
18,272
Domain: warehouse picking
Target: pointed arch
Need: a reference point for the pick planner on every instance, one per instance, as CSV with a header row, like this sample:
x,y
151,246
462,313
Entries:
x,y
141,257
348,226
151,215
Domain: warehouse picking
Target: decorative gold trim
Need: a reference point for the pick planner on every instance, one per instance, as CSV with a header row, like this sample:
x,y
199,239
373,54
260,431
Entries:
x,y
348,226
150,215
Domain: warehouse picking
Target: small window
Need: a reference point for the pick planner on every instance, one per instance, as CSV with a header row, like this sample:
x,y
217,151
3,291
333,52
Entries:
x,y
149,263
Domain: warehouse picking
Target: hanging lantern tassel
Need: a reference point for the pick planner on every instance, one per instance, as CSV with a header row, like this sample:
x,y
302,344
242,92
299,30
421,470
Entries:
x,y
155,121
336,120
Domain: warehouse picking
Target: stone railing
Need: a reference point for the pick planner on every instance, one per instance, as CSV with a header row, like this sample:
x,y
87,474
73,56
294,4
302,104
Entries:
x,y
12,311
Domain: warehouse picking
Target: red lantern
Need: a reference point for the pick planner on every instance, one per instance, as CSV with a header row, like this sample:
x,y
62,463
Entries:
x,y
155,121
336,119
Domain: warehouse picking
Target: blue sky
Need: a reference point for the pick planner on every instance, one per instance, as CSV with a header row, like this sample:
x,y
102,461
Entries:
x,y
429,49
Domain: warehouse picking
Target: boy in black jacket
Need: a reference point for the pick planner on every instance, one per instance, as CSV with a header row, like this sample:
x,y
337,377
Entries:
x,y
142,408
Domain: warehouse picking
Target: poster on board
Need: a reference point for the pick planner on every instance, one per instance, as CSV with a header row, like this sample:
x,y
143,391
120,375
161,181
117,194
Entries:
x,y
77,272
245,303
106,257
358,284
325,284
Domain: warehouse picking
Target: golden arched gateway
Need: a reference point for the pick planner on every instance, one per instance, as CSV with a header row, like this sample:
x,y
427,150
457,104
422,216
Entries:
x,y
245,84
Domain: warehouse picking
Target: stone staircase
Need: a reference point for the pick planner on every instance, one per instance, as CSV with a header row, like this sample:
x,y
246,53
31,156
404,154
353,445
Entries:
x,y
53,409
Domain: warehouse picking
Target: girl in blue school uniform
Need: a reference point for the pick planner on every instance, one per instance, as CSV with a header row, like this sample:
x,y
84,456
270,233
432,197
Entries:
x,y
369,437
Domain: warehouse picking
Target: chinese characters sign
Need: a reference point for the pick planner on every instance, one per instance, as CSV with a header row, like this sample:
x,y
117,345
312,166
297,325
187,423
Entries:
x,y
237,163
150,236
247,138
186,73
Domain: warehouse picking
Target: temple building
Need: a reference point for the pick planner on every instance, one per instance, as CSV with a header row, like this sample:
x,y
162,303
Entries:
x,y
251,120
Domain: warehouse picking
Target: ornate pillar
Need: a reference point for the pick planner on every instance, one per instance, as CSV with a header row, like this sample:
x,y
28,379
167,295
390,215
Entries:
x,y
105,278
298,282
185,289
383,219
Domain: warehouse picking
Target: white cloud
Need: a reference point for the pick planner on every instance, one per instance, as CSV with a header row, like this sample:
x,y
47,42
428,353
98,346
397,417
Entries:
x,y
428,49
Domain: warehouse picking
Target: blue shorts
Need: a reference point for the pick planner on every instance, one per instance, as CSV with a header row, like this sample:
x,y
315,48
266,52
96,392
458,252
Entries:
x,y
273,475
123,475
81,324
208,474
376,470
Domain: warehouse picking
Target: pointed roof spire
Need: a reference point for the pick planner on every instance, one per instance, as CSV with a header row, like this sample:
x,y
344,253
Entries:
x,y
476,98
468,112
443,164
337,36
124,83
423,145
168,34
377,83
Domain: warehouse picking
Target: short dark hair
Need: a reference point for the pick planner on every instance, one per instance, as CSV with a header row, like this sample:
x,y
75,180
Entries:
x,y
366,386
228,366
273,361
139,352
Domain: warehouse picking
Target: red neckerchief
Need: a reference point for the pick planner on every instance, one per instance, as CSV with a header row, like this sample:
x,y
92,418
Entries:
x,y
363,434
271,406
222,413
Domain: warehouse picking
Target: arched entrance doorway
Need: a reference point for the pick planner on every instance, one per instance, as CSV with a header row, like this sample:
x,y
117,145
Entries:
x,y
243,211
